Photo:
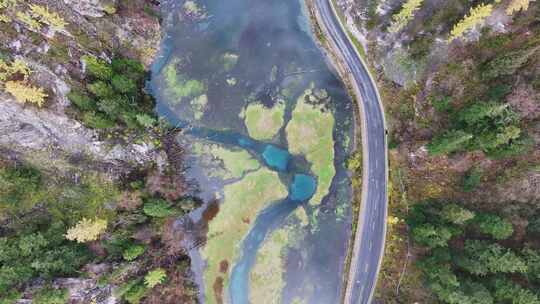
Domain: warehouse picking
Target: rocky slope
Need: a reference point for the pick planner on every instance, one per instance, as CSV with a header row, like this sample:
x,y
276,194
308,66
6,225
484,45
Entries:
x,y
98,28
130,178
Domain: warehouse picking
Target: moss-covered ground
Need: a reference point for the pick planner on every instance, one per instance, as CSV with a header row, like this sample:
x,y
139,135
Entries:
x,y
178,85
310,132
243,200
264,123
224,162
266,278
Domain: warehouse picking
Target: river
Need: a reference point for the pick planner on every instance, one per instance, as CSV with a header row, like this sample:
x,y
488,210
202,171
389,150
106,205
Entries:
x,y
267,128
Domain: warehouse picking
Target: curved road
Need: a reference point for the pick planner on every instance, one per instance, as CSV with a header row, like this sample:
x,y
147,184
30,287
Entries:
x,y
368,247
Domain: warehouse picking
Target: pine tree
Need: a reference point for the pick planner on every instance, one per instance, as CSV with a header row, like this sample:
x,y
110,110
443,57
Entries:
x,y
432,236
450,142
97,68
456,214
476,16
23,92
482,257
495,226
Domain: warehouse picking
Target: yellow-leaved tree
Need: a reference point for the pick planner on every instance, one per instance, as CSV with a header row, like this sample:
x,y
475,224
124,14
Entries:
x,y
86,230
406,14
476,16
24,92
516,6
43,14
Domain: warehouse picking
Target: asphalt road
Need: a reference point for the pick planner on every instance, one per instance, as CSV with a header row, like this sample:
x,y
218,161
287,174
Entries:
x,y
368,247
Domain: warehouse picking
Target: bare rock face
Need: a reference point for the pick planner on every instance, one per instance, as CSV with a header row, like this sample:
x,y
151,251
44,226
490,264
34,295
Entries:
x,y
90,8
26,129
87,291
80,291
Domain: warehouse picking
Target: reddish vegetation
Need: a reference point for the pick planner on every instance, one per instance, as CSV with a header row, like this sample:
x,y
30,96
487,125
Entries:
x,y
246,220
218,290
172,238
130,200
172,293
169,187
224,266
210,212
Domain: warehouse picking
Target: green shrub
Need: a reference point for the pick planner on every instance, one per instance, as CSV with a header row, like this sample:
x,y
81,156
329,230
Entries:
x,y
97,68
158,208
82,101
135,294
472,179
97,120
109,8
456,214
129,118
101,89
442,104
132,291
111,106
132,69
507,63
49,295
133,252
20,189
433,236
517,146
123,84
146,120
118,89
39,254
10,297
155,277
452,141
495,226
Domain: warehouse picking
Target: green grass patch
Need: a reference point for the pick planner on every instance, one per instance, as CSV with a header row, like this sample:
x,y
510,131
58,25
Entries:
x,y
310,132
243,200
264,123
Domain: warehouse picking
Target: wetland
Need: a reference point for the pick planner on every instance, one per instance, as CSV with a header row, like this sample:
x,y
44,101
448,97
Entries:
x,y
266,125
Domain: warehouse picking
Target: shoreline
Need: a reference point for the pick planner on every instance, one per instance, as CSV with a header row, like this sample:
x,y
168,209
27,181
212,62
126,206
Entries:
x,y
336,61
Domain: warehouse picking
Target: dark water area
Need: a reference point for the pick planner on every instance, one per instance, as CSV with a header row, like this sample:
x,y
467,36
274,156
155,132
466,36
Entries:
x,y
276,58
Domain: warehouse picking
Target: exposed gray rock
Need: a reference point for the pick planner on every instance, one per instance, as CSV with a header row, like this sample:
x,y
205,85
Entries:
x,y
90,8
81,291
25,129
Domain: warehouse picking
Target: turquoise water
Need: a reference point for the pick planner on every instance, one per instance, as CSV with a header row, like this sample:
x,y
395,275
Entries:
x,y
303,187
277,59
276,158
